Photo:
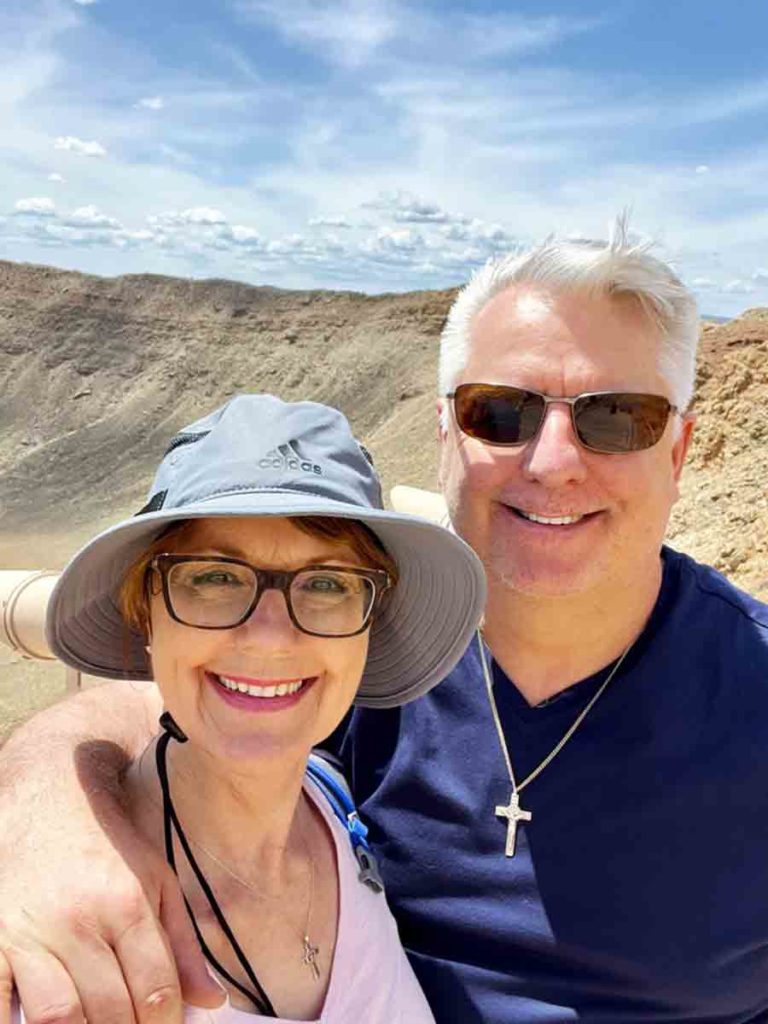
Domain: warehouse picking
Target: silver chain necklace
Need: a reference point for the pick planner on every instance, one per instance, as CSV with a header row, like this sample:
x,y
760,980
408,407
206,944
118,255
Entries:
x,y
512,811
310,953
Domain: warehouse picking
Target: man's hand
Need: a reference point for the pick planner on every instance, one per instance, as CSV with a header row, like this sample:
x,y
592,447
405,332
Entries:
x,y
103,956
92,921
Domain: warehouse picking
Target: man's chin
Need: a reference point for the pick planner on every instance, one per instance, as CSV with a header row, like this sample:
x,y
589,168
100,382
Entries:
x,y
541,580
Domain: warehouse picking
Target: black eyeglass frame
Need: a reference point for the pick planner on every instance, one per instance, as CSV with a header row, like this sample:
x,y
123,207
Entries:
x,y
271,579
571,401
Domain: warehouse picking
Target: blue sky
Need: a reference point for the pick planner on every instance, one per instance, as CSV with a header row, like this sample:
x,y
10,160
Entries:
x,y
382,144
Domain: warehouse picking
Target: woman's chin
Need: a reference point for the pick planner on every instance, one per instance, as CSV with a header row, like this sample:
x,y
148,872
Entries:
x,y
256,750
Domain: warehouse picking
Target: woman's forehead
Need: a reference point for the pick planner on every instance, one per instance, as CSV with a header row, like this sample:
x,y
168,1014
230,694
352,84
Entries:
x,y
273,538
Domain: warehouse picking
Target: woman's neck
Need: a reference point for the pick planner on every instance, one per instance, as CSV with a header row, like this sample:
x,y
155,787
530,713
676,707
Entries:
x,y
252,821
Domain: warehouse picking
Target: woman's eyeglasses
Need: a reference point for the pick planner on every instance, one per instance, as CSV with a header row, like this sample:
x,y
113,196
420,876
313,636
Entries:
x,y
604,421
221,593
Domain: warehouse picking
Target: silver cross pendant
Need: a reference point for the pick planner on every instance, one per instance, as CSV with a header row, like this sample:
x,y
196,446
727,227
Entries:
x,y
309,957
513,812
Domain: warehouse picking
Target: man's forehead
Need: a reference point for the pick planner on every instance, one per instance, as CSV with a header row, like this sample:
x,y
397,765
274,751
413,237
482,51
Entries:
x,y
523,306
530,306
562,338
517,305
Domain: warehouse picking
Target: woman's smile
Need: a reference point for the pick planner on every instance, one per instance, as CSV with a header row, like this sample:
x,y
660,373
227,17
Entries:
x,y
258,695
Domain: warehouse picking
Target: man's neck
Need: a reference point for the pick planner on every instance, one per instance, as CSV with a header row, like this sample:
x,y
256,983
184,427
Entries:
x,y
547,644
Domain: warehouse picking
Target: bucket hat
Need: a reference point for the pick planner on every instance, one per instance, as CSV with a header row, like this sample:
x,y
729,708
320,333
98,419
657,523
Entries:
x,y
260,456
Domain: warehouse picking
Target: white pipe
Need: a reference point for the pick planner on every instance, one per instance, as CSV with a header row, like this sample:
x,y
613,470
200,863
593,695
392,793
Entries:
x,y
24,595
419,502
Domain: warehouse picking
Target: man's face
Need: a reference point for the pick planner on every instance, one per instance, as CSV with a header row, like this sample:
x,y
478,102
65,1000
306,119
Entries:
x,y
563,345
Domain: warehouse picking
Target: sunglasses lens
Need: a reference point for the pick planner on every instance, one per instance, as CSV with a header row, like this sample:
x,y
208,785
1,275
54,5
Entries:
x,y
621,422
498,414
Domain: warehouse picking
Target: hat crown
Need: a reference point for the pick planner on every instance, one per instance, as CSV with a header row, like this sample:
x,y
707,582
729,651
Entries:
x,y
258,444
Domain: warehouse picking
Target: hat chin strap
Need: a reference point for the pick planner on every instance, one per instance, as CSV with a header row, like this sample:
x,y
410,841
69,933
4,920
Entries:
x,y
168,723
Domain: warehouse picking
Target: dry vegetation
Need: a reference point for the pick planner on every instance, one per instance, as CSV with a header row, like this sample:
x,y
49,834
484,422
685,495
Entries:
x,y
96,374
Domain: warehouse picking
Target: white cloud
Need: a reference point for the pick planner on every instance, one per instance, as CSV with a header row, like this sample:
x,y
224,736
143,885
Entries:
x,y
406,208
720,103
354,32
140,236
393,245
75,145
485,239
39,206
420,213
55,176
347,31
760,276
329,222
85,3
151,103
90,216
194,215
480,153
511,33
202,215
739,287
241,235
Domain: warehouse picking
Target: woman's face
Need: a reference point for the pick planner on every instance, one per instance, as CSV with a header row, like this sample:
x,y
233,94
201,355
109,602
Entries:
x,y
197,670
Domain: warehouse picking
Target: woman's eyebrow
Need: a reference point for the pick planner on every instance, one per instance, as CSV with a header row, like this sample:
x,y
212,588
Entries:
x,y
208,550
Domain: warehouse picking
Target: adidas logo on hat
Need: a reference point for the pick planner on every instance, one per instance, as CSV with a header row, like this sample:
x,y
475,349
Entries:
x,y
285,456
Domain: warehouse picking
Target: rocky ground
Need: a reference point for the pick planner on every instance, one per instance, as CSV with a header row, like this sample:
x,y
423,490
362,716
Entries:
x,y
97,373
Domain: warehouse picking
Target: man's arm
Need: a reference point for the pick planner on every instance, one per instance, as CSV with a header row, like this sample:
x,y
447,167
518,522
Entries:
x,y
90,917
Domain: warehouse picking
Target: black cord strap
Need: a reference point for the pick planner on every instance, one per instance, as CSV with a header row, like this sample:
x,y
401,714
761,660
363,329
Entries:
x,y
259,998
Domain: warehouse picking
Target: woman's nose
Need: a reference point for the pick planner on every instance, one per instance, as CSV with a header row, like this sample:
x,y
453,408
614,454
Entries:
x,y
270,621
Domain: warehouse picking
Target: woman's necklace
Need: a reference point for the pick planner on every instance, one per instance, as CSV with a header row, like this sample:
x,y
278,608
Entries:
x,y
310,952
512,811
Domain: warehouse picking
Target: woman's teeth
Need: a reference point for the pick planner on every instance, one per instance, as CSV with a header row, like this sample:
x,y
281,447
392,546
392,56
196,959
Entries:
x,y
549,521
278,690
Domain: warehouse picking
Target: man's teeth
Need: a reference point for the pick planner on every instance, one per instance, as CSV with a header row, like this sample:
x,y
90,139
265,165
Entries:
x,y
279,690
550,521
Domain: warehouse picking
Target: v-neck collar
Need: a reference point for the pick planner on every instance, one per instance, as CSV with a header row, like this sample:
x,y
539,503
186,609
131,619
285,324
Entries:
x,y
569,702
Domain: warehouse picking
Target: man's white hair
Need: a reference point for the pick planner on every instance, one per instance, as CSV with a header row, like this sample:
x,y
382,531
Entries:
x,y
616,267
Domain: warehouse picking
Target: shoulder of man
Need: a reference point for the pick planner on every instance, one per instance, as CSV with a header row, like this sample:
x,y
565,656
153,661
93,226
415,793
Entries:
x,y
709,585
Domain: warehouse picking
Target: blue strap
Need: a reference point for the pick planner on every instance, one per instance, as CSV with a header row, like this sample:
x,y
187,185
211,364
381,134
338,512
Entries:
x,y
333,786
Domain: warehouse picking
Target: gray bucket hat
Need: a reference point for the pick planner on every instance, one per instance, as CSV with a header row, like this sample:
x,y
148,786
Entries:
x,y
260,456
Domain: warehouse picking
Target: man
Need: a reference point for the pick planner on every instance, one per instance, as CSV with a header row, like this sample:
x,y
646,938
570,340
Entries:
x,y
570,827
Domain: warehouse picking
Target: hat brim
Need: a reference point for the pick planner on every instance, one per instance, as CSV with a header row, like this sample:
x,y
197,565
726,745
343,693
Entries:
x,y
417,637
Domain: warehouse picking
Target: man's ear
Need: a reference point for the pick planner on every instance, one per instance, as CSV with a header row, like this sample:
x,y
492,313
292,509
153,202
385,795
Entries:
x,y
682,444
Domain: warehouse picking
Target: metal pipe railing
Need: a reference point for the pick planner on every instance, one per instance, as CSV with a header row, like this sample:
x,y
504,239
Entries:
x,y
419,502
24,593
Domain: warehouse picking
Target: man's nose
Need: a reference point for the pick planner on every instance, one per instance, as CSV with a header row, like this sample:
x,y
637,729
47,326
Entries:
x,y
555,457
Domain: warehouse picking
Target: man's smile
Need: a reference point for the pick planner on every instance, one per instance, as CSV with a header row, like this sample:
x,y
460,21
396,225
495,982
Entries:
x,y
558,519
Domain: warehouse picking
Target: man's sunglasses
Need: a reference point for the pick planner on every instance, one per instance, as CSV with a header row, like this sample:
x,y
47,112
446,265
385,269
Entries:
x,y
604,421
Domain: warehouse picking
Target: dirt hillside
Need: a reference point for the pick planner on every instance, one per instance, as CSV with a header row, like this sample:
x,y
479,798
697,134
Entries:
x,y
97,373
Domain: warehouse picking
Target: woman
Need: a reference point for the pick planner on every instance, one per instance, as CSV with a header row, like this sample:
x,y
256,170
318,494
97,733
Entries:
x,y
265,590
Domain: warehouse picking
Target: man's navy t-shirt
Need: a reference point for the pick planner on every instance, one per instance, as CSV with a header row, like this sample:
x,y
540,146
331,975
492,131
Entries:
x,y
639,891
